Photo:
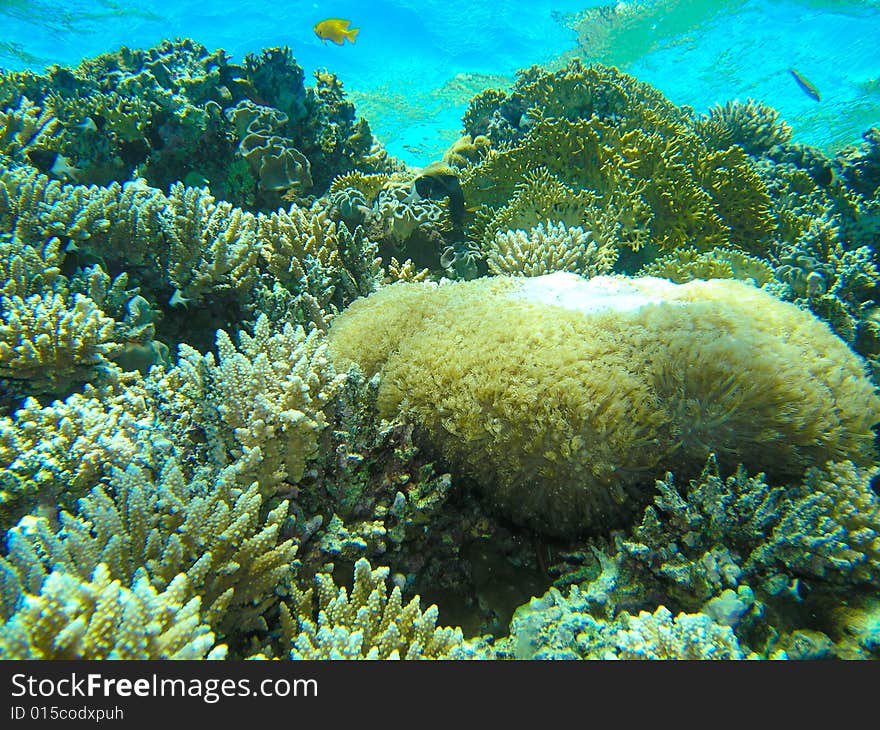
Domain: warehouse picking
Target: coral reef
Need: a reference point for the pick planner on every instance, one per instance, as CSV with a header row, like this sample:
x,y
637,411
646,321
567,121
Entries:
x,y
687,264
368,624
234,370
859,165
561,397
263,402
52,455
753,126
177,112
50,343
99,618
625,150
779,564
538,251
563,627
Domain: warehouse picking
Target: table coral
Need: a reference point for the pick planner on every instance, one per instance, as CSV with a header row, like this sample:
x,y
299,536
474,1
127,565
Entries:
x,y
563,397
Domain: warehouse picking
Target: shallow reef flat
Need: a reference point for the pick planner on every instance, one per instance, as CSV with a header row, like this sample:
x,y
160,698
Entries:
x,y
600,382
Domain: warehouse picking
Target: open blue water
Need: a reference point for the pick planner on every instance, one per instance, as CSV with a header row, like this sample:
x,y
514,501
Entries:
x,y
417,62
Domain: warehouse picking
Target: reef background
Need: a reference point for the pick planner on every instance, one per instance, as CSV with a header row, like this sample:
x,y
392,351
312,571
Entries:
x,y
189,467
417,63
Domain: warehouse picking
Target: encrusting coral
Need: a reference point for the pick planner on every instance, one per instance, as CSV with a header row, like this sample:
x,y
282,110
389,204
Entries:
x,y
562,397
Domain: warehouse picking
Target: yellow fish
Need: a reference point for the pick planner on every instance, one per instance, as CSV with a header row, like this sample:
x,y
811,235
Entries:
x,y
336,30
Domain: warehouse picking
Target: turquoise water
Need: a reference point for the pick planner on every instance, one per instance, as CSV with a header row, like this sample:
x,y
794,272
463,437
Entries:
x,y
405,70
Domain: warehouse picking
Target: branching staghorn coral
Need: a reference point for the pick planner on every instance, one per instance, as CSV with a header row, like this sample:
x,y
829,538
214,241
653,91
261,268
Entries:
x,y
60,330
187,246
123,225
752,125
555,626
27,269
100,618
211,245
310,253
378,497
367,624
406,271
25,128
718,534
230,550
55,454
829,529
186,241
47,343
542,251
660,636
263,403
694,542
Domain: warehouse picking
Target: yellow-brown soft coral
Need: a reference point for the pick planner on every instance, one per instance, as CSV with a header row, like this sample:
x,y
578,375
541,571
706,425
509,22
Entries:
x,y
565,398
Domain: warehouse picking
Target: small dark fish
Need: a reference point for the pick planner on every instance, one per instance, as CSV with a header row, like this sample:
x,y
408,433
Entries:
x,y
806,85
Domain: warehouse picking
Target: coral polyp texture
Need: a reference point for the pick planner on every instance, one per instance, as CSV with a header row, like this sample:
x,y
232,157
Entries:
x,y
102,619
562,397
369,623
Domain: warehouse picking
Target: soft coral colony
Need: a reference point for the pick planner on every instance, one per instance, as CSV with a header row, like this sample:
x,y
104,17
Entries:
x,y
239,366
